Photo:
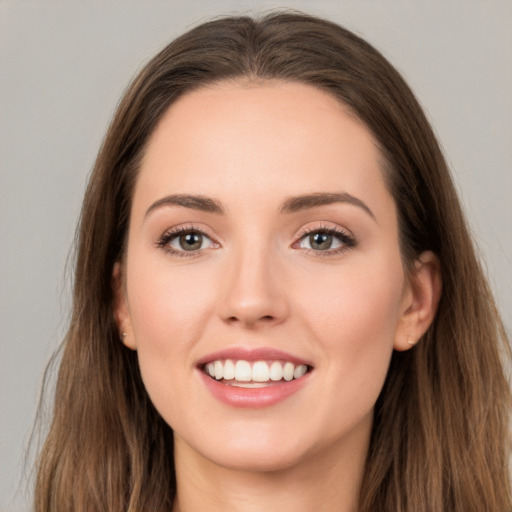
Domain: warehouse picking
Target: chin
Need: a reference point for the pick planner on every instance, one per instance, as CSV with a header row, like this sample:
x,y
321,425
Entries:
x,y
254,450
257,460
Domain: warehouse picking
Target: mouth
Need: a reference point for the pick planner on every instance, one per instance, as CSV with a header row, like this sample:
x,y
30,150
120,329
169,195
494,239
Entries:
x,y
254,374
254,378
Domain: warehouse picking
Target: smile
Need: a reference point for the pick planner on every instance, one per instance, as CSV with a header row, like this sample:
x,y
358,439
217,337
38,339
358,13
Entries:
x,y
246,374
253,378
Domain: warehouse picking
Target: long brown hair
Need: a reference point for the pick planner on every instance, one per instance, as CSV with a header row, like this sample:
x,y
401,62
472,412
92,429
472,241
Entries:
x,y
440,435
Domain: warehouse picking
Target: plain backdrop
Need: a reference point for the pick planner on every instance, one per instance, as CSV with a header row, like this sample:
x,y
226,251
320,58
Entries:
x,y
63,67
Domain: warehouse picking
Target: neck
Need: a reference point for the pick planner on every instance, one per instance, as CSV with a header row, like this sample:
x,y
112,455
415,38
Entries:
x,y
328,481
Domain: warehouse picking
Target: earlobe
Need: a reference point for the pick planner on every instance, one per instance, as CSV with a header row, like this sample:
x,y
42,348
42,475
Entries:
x,y
423,295
121,310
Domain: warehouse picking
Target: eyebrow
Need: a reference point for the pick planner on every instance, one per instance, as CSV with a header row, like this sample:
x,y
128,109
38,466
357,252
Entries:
x,y
304,202
195,202
291,205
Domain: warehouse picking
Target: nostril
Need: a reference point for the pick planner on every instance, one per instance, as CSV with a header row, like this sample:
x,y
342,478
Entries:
x,y
265,318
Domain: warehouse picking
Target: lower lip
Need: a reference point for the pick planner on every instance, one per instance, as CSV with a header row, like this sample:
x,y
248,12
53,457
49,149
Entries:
x,y
253,397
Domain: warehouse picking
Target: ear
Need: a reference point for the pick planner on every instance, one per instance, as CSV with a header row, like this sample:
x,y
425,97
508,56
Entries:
x,y
421,298
122,316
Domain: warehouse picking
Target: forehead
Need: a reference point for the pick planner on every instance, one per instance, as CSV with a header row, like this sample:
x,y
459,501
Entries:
x,y
244,139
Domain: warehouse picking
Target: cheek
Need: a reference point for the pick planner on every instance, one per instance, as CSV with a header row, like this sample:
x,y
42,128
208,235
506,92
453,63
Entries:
x,y
167,312
167,308
354,319
359,302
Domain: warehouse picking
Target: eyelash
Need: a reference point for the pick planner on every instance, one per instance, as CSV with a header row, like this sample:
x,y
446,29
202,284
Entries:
x,y
165,240
347,241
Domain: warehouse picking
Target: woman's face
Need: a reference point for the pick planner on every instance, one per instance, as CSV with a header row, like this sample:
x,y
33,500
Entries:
x,y
263,241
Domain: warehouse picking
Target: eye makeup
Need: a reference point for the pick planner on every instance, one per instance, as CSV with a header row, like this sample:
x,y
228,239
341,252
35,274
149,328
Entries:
x,y
320,241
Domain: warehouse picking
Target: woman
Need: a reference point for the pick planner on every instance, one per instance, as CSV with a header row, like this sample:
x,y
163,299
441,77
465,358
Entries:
x,y
277,302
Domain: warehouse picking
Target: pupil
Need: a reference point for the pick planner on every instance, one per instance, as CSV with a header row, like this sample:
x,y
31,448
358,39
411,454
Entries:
x,y
321,241
191,241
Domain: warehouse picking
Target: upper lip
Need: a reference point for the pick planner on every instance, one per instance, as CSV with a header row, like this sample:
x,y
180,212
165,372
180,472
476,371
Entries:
x,y
252,354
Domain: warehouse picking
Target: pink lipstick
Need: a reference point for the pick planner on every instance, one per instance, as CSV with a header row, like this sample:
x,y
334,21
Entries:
x,y
253,378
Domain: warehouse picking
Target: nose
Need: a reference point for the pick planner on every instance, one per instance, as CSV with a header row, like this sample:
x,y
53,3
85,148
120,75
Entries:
x,y
253,292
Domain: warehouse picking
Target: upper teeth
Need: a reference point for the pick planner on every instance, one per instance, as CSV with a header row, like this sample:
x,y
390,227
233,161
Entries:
x,y
260,371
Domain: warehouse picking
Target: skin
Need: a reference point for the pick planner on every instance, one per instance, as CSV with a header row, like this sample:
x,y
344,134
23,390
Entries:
x,y
250,147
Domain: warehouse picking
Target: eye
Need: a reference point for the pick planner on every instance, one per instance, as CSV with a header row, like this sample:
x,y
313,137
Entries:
x,y
185,240
320,241
192,241
326,240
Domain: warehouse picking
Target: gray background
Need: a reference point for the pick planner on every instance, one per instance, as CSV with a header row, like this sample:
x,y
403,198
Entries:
x,y
63,66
